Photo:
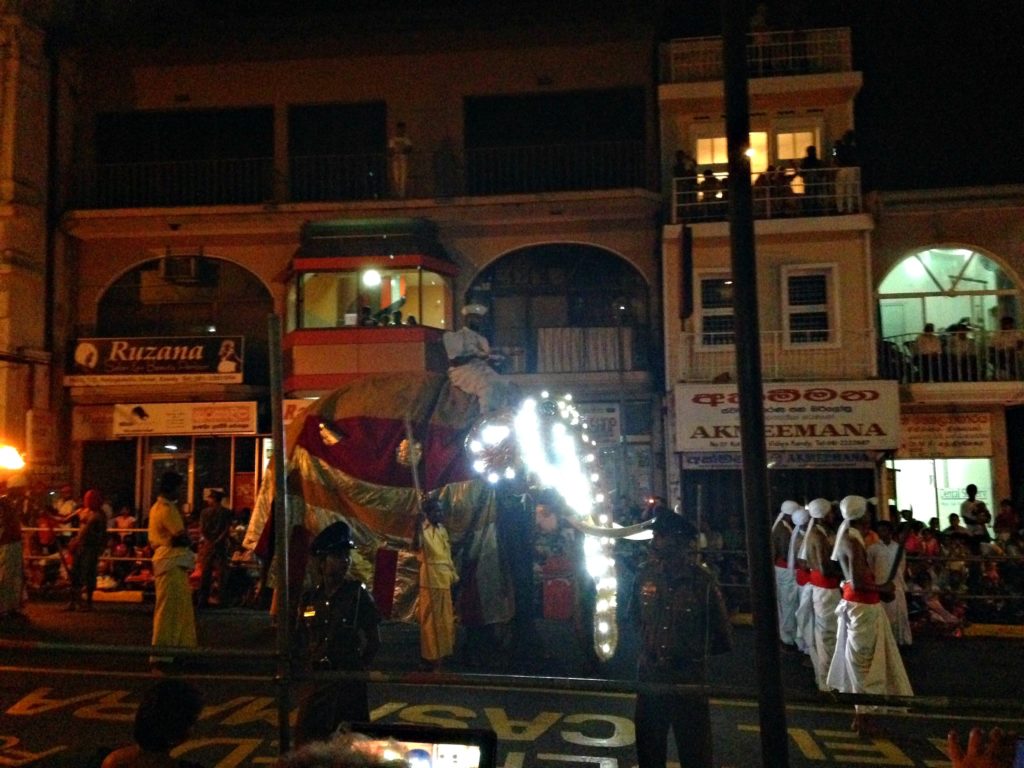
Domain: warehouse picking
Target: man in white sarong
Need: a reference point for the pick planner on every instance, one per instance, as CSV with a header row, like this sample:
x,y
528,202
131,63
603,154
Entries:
x,y
867,659
468,357
882,555
804,633
785,581
824,582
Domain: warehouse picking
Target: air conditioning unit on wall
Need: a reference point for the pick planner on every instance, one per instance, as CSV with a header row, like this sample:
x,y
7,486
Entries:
x,y
181,269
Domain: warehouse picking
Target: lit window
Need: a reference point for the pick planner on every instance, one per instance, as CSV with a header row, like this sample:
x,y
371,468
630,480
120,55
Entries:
x,y
809,305
396,297
792,146
713,151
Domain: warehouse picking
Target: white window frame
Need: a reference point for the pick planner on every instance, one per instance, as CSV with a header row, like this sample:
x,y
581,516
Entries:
x,y
795,124
830,307
699,277
716,130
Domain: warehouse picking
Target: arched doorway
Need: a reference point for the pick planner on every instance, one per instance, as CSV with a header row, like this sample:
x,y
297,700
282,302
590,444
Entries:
x,y
186,296
191,296
576,318
945,286
564,285
949,315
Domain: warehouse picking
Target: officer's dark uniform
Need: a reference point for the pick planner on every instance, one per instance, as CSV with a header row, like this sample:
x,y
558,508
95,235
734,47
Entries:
x,y
337,631
682,620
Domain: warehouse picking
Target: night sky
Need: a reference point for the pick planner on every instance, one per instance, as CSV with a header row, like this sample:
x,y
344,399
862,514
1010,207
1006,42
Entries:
x,y
942,103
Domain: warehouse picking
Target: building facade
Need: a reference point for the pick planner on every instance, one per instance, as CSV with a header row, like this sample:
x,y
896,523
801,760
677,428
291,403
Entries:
x,y
363,187
952,259
830,418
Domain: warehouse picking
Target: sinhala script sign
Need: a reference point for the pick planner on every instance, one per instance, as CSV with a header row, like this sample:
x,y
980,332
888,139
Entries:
x,y
846,416
231,418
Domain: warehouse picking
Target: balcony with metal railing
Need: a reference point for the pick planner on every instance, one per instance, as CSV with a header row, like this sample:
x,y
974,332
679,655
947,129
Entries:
x,y
785,356
769,54
337,177
778,194
564,349
555,167
313,178
984,356
230,181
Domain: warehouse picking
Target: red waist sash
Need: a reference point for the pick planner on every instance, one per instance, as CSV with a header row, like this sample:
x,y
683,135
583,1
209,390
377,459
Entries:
x,y
803,576
781,563
853,596
819,579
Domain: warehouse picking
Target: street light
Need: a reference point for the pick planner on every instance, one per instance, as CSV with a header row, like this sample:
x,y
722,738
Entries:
x,y
11,459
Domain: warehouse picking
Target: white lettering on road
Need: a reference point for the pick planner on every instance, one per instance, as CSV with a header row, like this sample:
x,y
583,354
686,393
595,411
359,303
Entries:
x,y
623,733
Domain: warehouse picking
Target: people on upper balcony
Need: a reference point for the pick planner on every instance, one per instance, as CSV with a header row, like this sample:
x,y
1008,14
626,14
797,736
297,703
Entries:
x,y
399,149
961,351
812,170
926,350
712,195
1006,350
684,175
844,155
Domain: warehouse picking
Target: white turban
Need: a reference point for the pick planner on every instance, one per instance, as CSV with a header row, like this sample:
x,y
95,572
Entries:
x,y
817,509
800,517
853,508
787,509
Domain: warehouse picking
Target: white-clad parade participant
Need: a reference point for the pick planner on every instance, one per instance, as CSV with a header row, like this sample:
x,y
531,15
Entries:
x,y
885,557
866,659
468,357
785,580
804,632
824,580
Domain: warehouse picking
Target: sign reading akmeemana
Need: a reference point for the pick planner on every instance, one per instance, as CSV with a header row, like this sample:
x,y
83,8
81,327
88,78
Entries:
x,y
799,416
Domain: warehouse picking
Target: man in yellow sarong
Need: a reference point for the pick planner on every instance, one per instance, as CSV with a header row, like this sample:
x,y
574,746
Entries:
x,y
437,575
174,621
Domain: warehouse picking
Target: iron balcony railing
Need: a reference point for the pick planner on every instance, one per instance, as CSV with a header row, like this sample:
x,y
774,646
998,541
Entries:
x,y
954,357
489,171
236,181
785,355
769,54
778,194
555,167
562,349
338,177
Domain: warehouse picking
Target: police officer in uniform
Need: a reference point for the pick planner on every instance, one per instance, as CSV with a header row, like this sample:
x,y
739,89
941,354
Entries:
x,y
682,620
337,630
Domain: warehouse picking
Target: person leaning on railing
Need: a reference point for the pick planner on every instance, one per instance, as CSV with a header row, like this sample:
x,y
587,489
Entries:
x,y
1006,350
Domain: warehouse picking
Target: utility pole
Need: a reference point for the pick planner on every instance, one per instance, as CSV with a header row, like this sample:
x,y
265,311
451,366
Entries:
x,y
771,702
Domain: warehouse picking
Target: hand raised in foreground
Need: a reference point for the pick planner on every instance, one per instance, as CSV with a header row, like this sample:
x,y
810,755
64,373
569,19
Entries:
x,y
998,753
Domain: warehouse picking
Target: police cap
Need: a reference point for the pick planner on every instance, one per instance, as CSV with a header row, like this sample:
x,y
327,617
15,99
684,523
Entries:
x,y
335,538
668,523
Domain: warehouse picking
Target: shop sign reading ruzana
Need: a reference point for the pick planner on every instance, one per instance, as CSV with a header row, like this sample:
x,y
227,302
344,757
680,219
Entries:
x,y
847,416
157,360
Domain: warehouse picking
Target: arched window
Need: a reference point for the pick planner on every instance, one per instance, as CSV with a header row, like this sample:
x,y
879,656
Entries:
x,y
945,287
559,307
192,295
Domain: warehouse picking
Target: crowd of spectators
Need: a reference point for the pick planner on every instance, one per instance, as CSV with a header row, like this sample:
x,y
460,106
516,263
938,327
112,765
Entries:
x,y
971,570
49,528
961,352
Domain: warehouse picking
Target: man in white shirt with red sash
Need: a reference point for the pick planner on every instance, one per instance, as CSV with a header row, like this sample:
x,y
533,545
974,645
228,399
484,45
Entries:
x,y
824,581
785,580
866,659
